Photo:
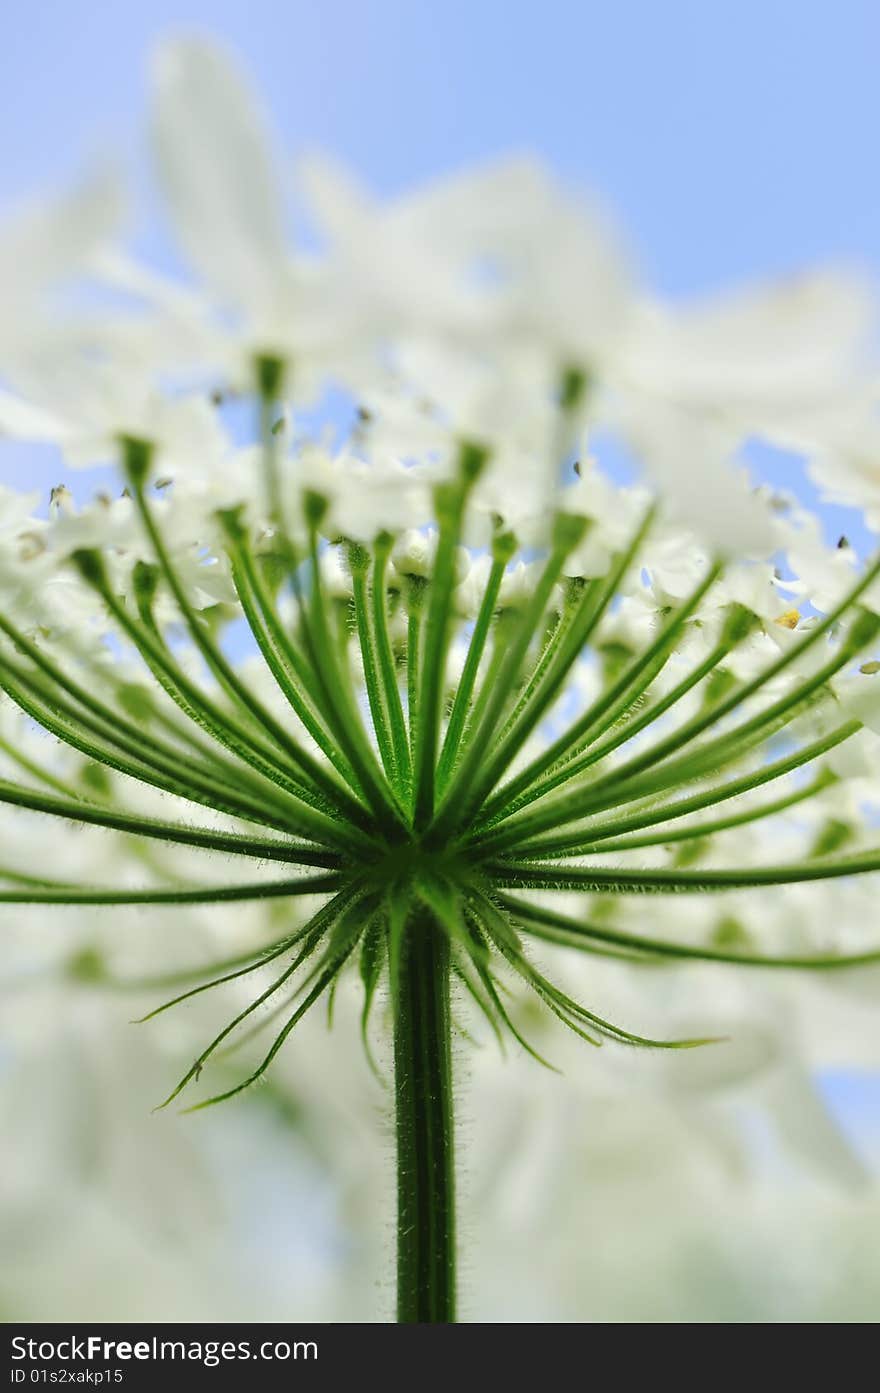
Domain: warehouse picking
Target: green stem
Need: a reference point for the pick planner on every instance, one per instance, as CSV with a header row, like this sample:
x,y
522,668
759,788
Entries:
x,y
425,1164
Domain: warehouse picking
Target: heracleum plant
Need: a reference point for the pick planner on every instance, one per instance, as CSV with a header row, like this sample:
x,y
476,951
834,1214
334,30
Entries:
x,y
446,675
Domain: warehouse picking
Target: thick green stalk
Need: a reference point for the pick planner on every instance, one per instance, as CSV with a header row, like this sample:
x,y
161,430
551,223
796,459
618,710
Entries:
x,y
425,1161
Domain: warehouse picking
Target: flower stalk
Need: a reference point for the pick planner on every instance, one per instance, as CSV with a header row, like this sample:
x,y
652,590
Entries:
x,y
423,1101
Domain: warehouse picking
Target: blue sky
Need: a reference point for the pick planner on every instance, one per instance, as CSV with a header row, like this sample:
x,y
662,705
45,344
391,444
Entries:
x,y
733,139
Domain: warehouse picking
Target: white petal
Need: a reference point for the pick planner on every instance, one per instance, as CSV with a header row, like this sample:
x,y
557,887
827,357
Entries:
x,y
338,203
22,421
44,243
217,172
689,458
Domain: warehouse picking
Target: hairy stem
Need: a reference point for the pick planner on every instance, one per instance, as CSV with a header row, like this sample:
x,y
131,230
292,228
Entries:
x,y
425,1163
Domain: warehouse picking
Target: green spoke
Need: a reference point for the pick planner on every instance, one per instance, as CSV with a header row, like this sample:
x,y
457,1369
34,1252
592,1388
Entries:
x,y
371,961
297,662
695,727
376,694
449,503
334,966
708,798
387,668
270,372
166,772
336,690
501,553
315,930
272,641
577,934
503,1014
223,671
413,666
105,721
575,635
624,784
595,839
309,811
21,878
525,792
473,948
505,940
458,796
608,708
208,894
513,875
782,710
264,849
252,964
578,595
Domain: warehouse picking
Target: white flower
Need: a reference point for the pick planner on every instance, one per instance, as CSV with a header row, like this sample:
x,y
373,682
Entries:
x,y
218,175
690,458
754,359
42,248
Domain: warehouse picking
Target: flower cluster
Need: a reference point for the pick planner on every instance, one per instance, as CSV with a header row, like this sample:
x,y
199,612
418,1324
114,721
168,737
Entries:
x,y
368,607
